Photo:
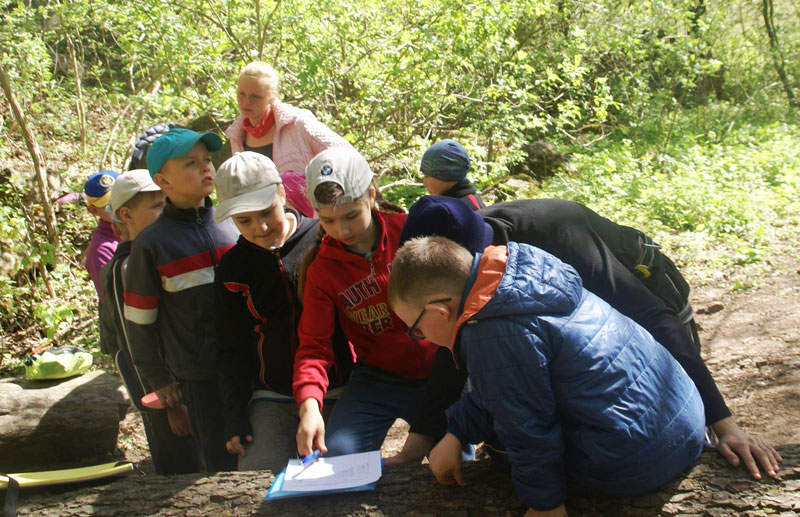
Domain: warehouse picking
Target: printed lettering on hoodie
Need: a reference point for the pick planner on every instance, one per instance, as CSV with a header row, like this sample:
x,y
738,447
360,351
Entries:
x,y
375,318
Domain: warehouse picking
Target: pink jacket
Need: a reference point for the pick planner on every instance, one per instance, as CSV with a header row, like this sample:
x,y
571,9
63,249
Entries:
x,y
299,136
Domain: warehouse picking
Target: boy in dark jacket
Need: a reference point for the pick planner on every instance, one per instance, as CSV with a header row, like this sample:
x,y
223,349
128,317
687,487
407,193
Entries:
x,y
445,165
134,204
591,244
571,388
169,288
258,311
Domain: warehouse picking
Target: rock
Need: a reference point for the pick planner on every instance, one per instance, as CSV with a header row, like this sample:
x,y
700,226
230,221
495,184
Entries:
x,y
542,160
711,308
46,425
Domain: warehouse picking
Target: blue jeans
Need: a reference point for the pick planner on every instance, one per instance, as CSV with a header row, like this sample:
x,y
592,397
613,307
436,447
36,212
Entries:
x,y
205,411
370,403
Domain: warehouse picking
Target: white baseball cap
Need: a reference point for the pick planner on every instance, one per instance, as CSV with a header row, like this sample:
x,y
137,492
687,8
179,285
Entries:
x,y
128,185
341,165
246,182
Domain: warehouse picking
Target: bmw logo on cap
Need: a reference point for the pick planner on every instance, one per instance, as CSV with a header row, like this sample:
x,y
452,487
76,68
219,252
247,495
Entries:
x,y
326,170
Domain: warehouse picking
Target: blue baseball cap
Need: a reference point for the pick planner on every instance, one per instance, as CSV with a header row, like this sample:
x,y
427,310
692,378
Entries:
x,y
447,217
175,143
446,160
98,187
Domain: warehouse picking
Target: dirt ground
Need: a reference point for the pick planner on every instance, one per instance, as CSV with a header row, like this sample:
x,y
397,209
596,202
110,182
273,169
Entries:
x,y
752,347
751,343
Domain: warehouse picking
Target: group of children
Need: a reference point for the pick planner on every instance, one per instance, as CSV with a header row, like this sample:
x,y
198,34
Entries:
x,y
255,312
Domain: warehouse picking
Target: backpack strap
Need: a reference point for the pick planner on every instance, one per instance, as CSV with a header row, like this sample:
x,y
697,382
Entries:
x,y
648,251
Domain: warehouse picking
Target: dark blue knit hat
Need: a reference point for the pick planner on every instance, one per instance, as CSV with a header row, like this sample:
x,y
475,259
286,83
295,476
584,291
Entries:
x,y
446,160
447,217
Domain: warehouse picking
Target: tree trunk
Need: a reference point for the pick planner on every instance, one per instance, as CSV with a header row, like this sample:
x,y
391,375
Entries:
x,y
79,93
775,50
710,488
36,156
46,425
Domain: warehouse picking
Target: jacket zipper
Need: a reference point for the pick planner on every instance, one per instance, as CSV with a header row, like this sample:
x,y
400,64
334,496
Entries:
x,y
290,299
206,237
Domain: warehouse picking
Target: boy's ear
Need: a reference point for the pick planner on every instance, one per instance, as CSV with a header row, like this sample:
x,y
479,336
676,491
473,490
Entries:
x,y
124,215
161,180
282,193
440,309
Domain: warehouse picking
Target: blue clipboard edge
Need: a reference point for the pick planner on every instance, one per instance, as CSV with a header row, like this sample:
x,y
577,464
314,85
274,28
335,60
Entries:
x,y
276,491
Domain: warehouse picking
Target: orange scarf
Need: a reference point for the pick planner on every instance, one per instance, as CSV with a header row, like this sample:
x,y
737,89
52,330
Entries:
x,y
262,127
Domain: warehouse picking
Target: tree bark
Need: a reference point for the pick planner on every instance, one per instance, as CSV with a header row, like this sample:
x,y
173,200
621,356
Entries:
x,y
46,425
711,487
775,49
36,156
79,92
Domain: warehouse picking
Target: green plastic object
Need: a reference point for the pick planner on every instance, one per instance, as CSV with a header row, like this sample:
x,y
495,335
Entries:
x,y
58,362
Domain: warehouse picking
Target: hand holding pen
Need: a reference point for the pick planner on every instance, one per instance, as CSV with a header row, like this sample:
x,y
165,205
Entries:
x,y
307,461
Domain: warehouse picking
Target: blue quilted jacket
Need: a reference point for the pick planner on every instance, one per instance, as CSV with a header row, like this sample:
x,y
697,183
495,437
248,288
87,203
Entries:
x,y
570,387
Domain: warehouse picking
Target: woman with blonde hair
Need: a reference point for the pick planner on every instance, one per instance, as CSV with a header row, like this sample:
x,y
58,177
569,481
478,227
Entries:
x,y
289,136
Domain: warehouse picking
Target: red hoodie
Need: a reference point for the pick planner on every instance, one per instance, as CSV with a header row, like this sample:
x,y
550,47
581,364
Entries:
x,y
353,288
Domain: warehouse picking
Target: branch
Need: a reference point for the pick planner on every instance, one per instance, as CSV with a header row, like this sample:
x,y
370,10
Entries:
x,y
36,156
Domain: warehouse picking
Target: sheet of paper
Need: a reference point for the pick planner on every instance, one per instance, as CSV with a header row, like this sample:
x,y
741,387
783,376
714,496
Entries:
x,y
334,472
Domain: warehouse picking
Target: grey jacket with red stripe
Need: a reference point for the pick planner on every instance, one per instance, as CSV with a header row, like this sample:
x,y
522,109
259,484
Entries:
x,y
169,294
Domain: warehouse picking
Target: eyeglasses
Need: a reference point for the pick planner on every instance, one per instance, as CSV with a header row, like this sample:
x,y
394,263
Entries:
x,y
413,331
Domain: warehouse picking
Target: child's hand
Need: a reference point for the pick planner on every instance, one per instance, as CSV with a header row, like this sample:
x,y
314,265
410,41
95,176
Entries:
x,y
170,395
179,422
416,447
311,431
733,443
235,445
445,461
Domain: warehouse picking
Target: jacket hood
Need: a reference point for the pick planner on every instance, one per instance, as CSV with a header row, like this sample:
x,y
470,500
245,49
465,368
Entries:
x,y
519,278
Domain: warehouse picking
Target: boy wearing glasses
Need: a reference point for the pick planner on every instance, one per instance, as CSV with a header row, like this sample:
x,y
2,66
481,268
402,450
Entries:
x,y
571,388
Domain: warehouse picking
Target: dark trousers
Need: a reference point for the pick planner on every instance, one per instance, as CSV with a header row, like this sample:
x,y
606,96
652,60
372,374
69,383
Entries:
x,y
208,425
171,454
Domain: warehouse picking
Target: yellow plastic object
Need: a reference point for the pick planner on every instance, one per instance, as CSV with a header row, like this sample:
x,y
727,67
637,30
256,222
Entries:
x,y
57,477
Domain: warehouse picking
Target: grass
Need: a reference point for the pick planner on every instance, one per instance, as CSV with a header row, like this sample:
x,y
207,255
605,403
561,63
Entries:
x,y
716,204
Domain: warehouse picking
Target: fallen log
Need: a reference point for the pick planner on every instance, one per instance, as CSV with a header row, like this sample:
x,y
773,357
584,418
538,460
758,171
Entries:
x,y
711,487
46,425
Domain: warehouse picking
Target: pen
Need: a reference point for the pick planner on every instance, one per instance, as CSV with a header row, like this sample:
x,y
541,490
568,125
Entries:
x,y
308,460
